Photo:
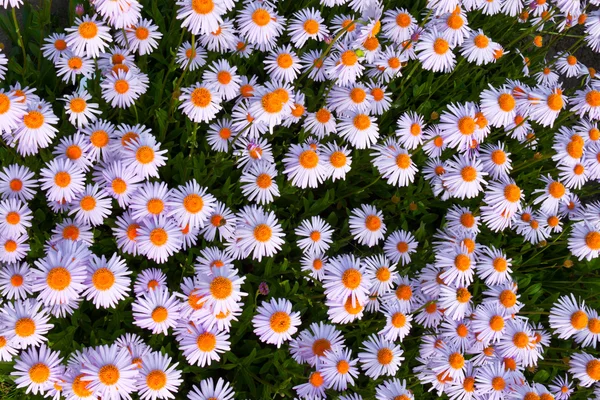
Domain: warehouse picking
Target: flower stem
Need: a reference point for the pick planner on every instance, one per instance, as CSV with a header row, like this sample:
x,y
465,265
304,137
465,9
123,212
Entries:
x,y
20,40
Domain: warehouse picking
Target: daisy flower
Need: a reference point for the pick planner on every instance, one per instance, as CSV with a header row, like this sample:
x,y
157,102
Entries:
x,y
201,17
344,311
275,322
394,163
107,282
190,205
366,225
561,388
203,346
258,183
345,277
15,281
314,388
479,48
223,39
37,369
338,160
76,149
219,135
464,177
195,57
493,266
492,380
545,104
397,323
307,24
259,232
505,295
143,37
126,232
355,97
80,111
304,166
110,372
208,389
380,357
149,280
320,123
221,291
17,182
552,195
159,238
584,241
91,206
88,37
455,301
58,278
315,235
211,258
312,64
13,248
312,343
143,156
151,200
223,78
282,64
271,103
157,379
36,130
25,322
314,264
338,369
15,217
69,66
119,182
459,126
156,310
260,25
360,129
122,89
343,65
222,222
200,102
54,46
435,52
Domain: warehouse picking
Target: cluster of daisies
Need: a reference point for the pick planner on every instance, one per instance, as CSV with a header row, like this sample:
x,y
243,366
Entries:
x,y
470,349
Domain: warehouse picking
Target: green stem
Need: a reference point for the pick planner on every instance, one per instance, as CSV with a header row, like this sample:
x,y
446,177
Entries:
x,y
20,40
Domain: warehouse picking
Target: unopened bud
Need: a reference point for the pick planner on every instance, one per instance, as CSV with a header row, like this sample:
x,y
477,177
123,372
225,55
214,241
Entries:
x,y
434,115
359,52
567,264
412,206
395,199
263,288
537,156
79,10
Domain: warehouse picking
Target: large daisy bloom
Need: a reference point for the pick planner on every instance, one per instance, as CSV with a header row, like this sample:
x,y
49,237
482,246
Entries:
x,y
88,37
304,166
259,232
222,290
190,205
158,378
110,372
37,369
275,322
157,310
107,281
201,17
366,225
200,103
159,238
